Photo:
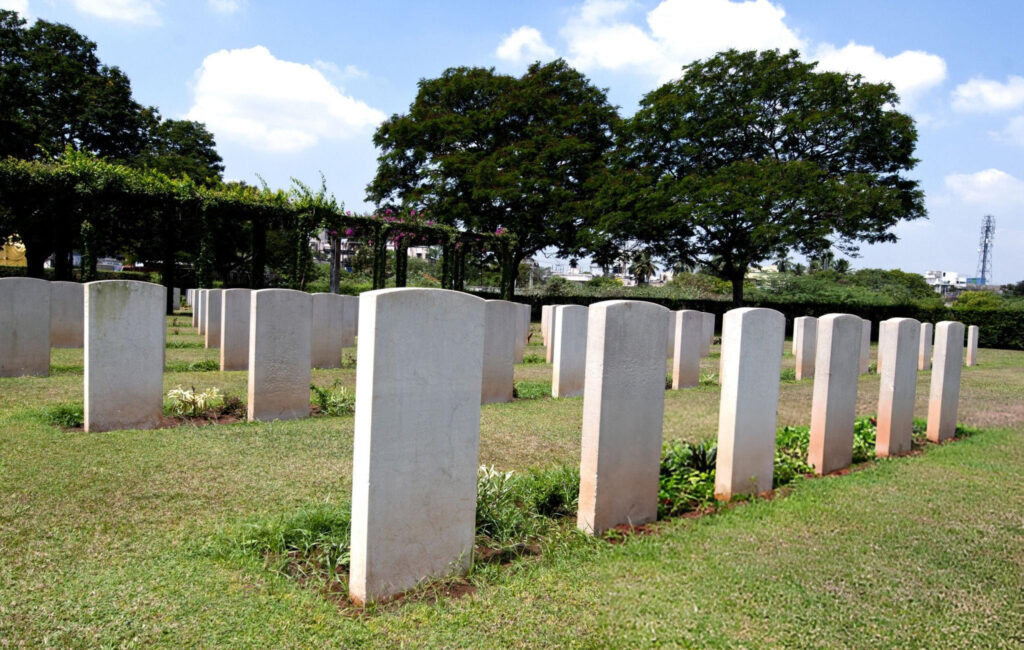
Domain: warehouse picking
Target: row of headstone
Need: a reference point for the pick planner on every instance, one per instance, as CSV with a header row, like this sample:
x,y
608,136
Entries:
x,y
418,406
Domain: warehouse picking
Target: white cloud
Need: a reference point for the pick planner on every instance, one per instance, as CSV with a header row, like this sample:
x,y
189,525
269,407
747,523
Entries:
x,y
350,71
279,106
524,45
224,6
21,6
142,12
985,95
991,188
677,32
1013,133
911,72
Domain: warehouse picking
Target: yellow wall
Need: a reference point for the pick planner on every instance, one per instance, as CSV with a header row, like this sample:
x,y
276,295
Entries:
x,y
12,255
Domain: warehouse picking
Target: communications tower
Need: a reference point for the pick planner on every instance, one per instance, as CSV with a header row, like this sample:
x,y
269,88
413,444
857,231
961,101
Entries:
x,y
988,234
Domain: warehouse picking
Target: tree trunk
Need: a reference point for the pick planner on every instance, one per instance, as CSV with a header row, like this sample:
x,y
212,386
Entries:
x,y
737,289
170,245
335,263
259,252
34,258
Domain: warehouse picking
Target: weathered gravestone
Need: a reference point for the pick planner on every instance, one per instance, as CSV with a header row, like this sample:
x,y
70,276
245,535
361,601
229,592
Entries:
x,y
351,315
24,327
972,345
417,432
203,296
898,343
865,347
944,396
125,334
570,339
236,305
805,345
280,342
212,316
709,334
834,404
924,359
748,411
623,409
499,352
67,315
688,338
328,330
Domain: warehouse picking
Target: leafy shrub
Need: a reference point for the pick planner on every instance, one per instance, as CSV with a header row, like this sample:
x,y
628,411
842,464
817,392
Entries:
x,y
515,509
788,374
533,359
179,345
68,415
687,476
336,400
531,389
189,402
232,406
205,365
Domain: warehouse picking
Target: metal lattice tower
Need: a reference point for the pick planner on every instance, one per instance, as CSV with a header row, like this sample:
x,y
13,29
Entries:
x,y
988,235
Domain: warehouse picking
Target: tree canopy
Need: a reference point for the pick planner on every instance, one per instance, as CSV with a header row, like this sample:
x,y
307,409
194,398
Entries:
x,y
751,155
492,152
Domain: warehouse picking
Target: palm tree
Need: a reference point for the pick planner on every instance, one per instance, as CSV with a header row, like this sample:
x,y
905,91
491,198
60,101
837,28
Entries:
x,y
641,266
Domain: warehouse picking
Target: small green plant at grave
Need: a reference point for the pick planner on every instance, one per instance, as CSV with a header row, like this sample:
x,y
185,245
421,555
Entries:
x,y
872,368
348,361
687,477
531,390
205,365
531,359
179,345
68,415
311,545
709,379
334,400
668,381
231,406
788,374
188,402
864,433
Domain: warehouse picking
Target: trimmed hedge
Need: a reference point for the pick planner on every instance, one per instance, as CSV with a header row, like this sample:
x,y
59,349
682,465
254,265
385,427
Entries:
x,y
998,328
48,274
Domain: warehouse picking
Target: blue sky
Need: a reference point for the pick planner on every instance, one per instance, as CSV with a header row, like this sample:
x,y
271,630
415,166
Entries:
x,y
292,89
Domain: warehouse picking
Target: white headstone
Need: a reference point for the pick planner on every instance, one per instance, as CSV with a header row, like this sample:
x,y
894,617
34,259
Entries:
x,y
748,412
417,433
212,316
280,343
125,335
834,405
924,359
202,311
570,338
499,352
623,409
944,397
67,315
24,327
805,345
236,305
328,327
972,345
688,340
351,315
897,369
865,347
545,325
522,330
673,318
709,333
176,299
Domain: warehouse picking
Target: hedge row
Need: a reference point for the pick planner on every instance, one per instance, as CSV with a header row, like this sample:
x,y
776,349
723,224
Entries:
x,y
48,274
999,328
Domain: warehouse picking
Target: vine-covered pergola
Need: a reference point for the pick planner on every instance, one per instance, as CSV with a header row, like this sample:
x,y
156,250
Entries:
x,y
78,201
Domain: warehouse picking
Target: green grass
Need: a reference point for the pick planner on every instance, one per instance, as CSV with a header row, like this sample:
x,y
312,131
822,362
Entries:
x,y
111,539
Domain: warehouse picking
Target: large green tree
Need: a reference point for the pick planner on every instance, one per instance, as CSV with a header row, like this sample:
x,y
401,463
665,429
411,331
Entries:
x,y
58,94
180,148
488,151
751,155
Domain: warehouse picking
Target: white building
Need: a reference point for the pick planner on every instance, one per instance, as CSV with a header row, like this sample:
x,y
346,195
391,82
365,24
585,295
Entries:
x,y
945,281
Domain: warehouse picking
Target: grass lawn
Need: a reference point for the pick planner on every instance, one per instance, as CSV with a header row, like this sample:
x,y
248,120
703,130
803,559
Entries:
x,y
105,538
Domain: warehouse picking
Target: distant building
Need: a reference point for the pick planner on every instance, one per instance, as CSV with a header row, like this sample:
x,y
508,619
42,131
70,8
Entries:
x,y
947,282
